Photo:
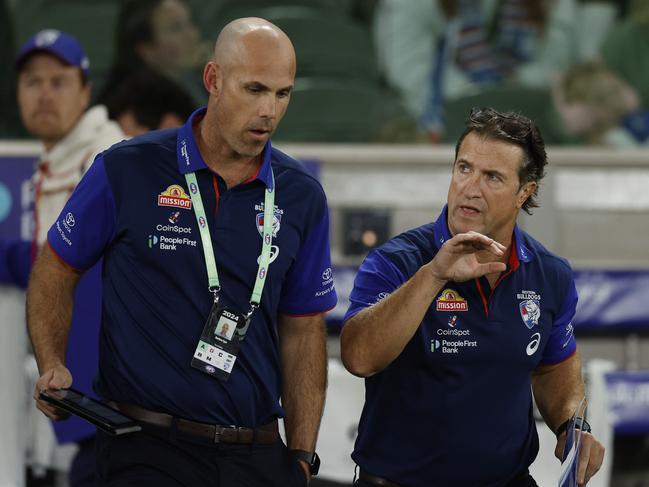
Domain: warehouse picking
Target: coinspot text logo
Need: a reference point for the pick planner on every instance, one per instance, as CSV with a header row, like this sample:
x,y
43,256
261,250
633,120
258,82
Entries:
x,y
153,241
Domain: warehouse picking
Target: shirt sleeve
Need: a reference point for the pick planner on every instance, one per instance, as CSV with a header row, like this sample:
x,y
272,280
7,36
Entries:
x,y
309,287
87,223
377,278
561,344
15,262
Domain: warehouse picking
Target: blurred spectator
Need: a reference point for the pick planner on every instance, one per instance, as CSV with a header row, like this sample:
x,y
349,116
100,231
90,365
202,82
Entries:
x,y
626,47
600,107
161,35
148,101
53,97
434,50
597,18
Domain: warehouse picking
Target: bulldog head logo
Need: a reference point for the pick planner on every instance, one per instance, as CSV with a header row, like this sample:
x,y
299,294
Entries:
x,y
530,312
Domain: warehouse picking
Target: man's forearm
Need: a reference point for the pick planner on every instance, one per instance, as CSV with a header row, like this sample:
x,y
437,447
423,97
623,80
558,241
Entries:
x,y
558,390
304,378
373,338
50,297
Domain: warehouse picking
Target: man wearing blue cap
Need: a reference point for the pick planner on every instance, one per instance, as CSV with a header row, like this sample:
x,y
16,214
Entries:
x,y
53,97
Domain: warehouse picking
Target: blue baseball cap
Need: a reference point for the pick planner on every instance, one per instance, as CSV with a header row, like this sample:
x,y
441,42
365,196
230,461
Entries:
x,y
59,44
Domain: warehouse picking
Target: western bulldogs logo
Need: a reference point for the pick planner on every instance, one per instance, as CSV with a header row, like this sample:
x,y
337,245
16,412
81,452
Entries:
x,y
277,218
530,312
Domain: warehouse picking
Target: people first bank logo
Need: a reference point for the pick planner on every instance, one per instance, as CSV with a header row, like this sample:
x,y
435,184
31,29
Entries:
x,y
450,300
174,196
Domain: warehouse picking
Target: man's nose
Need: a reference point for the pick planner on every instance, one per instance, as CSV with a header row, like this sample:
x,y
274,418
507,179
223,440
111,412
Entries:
x,y
473,187
45,93
268,108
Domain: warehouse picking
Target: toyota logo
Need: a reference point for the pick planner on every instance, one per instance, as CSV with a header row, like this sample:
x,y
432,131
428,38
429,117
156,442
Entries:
x,y
326,275
69,219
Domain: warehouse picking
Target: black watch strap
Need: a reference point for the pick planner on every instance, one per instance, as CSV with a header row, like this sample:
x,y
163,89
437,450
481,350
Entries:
x,y
580,424
310,457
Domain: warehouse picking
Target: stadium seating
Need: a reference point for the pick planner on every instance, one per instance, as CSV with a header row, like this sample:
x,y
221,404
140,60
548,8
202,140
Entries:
x,y
326,41
534,103
333,110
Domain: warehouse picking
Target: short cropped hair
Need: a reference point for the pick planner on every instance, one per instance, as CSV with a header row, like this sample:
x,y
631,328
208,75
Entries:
x,y
513,128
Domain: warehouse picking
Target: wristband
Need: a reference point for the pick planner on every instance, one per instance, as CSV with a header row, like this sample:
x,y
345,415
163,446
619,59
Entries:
x,y
311,458
580,424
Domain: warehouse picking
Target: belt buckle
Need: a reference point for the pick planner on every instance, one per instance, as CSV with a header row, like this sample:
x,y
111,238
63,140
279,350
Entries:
x,y
219,429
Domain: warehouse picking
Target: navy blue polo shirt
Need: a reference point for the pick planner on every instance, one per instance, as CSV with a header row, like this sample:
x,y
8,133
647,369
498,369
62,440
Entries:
x,y
133,207
455,407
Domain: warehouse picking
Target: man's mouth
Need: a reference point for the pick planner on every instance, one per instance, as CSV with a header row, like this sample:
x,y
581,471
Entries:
x,y
469,210
259,132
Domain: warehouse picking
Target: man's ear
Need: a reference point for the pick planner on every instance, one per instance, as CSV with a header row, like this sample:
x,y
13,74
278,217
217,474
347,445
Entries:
x,y
525,192
213,78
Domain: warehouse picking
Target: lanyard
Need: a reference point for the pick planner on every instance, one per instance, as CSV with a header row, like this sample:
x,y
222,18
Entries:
x,y
208,251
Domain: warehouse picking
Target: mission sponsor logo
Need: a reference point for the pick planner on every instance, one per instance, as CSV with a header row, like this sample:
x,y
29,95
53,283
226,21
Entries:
x,y
450,300
175,197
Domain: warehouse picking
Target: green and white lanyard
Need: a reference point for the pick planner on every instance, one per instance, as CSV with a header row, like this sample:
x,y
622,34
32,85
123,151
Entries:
x,y
208,250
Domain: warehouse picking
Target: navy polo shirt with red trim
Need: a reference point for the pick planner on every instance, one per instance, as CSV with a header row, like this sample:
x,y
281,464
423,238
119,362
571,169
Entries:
x,y
455,407
133,207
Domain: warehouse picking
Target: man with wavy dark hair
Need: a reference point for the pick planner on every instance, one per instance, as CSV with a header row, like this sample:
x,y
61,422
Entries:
x,y
477,316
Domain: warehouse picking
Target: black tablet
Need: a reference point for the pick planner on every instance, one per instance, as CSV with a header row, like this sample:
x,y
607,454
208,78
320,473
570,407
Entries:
x,y
101,415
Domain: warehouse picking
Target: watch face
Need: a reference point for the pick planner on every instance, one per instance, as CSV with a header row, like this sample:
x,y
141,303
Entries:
x,y
315,464
311,458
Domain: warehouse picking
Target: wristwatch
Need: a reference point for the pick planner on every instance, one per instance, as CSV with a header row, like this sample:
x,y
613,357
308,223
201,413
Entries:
x,y
310,457
580,424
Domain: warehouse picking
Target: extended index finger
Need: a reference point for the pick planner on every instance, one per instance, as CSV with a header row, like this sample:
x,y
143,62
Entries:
x,y
480,242
584,459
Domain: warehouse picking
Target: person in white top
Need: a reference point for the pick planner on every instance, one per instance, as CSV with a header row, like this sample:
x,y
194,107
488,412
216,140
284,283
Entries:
x,y
53,97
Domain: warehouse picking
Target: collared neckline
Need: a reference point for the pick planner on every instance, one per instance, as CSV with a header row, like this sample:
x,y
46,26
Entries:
x,y
442,234
190,160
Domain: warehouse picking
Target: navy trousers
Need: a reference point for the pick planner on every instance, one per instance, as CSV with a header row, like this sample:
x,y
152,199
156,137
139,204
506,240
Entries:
x,y
82,470
164,458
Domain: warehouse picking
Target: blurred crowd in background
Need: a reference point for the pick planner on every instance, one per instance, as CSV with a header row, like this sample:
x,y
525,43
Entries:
x,y
368,70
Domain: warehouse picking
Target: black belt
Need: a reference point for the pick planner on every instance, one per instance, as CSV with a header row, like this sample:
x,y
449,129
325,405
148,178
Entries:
x,y
266,434
520,479
374,480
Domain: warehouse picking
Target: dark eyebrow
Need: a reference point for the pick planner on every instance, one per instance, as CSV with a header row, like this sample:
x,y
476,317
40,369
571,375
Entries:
x,y
494,173
489,172
263,87
256,84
